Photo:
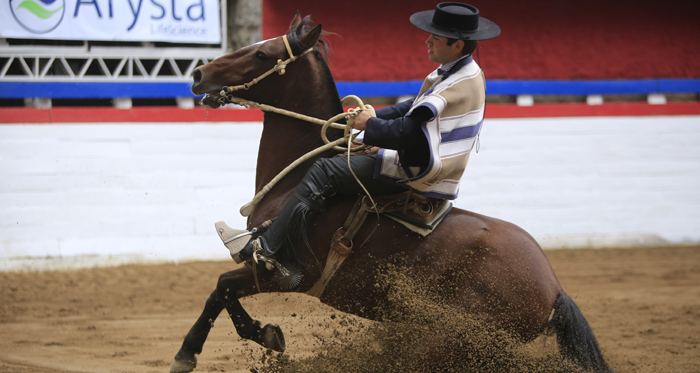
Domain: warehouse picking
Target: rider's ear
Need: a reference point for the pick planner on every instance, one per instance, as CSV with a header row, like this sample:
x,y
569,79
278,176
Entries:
x,y
295,22
311,38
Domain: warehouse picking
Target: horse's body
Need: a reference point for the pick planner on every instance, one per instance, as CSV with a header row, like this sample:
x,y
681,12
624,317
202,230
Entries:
x,y
489,267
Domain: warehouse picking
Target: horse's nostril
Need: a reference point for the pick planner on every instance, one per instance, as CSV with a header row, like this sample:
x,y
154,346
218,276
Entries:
x,y
197,76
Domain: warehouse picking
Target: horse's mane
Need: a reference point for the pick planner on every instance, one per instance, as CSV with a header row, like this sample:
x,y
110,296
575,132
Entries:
x,y
322,46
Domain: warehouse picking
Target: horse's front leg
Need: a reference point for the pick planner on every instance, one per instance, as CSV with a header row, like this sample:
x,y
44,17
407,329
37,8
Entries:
x,y
236,284
232,285
185,359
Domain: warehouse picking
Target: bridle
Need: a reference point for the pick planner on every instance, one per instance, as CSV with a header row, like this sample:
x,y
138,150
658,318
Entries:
x,y
280,68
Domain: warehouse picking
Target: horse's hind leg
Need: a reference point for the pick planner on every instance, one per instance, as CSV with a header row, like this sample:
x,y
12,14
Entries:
x,y
185,360
234,285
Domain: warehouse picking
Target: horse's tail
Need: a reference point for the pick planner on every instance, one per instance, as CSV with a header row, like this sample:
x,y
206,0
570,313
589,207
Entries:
x,y
577,343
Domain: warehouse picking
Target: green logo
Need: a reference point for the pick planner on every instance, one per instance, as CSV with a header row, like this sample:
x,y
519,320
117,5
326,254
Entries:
x,y
39,16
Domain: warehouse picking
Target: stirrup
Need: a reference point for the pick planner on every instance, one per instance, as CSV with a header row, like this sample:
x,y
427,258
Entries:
x,y
234,239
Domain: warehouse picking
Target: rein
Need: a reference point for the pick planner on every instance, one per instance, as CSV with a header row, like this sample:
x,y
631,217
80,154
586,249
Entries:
x,y
226,97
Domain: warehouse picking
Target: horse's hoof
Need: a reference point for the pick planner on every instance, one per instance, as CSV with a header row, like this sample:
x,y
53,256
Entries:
x,y
273,338
183,366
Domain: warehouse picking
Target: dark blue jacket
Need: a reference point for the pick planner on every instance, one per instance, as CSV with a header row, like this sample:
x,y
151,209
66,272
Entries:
x,y
392,129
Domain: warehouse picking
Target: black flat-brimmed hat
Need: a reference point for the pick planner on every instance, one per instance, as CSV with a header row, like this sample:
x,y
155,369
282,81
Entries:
x,y
456,21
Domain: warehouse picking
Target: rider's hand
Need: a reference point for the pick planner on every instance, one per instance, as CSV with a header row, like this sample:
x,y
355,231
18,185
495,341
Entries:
x,y
361,120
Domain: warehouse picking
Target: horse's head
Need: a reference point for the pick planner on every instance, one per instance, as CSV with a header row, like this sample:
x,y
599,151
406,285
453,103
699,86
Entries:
x,y
248,63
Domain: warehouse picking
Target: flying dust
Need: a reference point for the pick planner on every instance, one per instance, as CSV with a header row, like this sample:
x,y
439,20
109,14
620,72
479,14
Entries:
x,y
422,333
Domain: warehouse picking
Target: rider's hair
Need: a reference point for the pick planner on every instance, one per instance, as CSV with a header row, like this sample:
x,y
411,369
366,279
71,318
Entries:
x,y
468,48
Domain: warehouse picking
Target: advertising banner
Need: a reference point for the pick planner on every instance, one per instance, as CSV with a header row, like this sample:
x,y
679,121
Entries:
x,y
178,21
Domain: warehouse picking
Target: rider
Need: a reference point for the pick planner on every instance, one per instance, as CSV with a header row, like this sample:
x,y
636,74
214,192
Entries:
x,y
425,141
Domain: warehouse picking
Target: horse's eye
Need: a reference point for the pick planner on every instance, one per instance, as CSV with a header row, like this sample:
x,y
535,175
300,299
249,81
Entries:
x,y
261,56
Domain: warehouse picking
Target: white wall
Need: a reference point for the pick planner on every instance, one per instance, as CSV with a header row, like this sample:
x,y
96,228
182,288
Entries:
x,y
75,195
590,182
130,191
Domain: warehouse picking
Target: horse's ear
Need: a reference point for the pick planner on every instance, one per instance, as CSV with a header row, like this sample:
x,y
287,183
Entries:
x,y
295,22
310,39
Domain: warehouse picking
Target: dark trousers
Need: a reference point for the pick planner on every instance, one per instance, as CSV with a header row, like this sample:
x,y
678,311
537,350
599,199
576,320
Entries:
x,y
327,177
342,180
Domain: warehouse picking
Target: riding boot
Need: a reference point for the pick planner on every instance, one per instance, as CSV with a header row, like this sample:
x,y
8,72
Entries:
x,y
308,200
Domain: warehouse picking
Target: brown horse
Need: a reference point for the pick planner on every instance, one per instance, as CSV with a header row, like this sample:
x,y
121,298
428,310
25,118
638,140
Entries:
x,y
502,274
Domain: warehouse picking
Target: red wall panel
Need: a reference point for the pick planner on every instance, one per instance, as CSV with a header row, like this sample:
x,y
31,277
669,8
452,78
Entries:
x,y
541,39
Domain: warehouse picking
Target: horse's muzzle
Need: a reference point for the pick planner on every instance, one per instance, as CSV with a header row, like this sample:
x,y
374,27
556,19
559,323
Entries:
x,y
196,81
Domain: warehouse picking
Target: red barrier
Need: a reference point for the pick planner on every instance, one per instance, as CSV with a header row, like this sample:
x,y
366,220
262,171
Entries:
x,y
177,115
540,40
139,114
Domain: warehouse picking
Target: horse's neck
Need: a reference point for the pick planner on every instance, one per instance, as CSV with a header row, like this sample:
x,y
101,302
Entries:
x,y
283,141
286,139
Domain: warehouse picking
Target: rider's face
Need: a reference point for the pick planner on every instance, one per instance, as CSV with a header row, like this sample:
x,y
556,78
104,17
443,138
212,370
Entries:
x,y
440,52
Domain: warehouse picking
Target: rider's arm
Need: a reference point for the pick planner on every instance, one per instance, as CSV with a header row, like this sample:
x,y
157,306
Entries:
x,y
396,111
403,133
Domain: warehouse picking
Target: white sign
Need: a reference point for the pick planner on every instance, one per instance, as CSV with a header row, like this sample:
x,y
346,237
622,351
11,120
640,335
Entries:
x,y
180,21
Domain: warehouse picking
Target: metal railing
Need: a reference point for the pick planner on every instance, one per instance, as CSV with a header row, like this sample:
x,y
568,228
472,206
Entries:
x,y
103,65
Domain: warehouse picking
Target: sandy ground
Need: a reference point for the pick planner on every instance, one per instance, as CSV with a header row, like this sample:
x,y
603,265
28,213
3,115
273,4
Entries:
x,y
643,305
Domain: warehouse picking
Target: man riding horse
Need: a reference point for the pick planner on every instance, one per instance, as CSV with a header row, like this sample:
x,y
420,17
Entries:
x,y
486,267
425,142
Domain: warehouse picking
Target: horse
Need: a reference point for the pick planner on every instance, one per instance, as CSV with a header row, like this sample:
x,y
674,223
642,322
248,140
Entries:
x,y
509,282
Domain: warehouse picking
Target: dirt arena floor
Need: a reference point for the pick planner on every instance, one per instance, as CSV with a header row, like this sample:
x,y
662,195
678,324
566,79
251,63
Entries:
x,y
643,305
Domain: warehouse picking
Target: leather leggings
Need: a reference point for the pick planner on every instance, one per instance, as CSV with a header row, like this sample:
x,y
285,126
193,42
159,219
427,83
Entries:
x,y
325,178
